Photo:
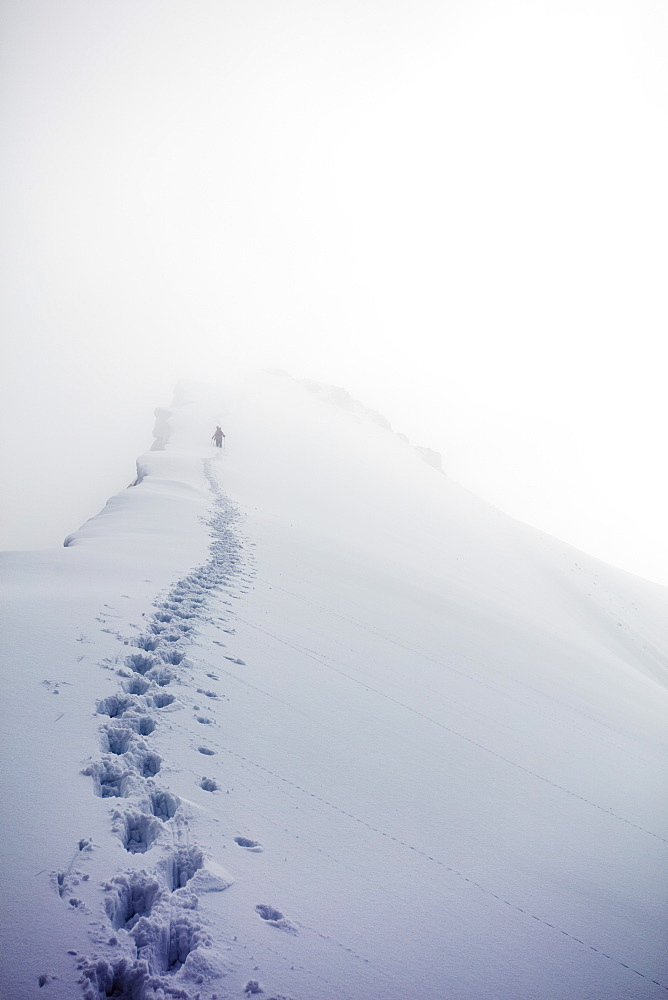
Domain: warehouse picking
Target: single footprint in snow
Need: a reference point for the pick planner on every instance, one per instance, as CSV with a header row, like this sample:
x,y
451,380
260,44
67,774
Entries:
x,y
138,832
141,662
250,845
145,725
182,866
275,918
136,685
117,739
162,699
148,763
130,897
110,778
163,804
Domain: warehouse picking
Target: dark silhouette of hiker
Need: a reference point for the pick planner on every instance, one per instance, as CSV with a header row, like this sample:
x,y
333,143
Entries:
x,y
218,437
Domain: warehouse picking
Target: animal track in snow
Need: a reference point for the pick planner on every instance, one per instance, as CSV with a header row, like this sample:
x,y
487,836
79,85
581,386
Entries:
x,y
66,880
209,785
54,686
275,918
250,845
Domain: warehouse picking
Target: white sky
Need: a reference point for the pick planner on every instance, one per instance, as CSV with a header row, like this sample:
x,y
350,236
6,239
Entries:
x,y
456,210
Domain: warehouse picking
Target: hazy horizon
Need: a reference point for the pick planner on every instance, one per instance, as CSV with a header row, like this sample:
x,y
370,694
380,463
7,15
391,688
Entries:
x,y
454,212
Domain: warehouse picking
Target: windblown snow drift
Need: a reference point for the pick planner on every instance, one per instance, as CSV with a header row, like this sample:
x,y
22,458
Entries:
x,y
303,719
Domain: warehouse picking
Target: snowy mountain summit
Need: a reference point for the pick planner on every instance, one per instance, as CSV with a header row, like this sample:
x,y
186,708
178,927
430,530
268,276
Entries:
x,y
300,718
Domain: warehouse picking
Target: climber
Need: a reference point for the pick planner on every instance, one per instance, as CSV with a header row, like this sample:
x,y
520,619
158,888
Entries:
x,y
218,437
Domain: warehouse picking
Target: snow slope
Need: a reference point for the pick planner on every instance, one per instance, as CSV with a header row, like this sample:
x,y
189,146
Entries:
x,y
304,719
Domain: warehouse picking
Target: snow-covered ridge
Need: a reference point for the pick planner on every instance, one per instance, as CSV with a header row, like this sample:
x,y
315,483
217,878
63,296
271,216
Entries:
x,y
154,905
342,398
162,430
161,434
306,719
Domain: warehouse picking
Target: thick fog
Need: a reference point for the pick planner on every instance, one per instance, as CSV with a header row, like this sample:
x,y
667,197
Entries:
x,y
457,211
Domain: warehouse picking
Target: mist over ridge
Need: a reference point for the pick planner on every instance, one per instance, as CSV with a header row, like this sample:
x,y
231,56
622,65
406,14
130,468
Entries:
x,y
413,201
295,677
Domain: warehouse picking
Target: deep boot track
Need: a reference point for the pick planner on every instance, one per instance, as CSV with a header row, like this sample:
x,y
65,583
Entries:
x,y
150,913
152,923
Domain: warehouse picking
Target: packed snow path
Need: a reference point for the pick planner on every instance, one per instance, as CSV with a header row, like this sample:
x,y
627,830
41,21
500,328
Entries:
x,y
328,727
154,906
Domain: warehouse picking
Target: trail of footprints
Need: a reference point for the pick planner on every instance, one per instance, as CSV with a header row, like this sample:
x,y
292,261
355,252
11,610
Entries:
x,y
150,912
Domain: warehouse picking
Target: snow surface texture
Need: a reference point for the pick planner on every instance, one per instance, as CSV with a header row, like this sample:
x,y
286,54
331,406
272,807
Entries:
x,y
303,719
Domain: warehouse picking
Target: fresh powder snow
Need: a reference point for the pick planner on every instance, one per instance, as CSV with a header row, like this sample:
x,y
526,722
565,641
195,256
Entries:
x,y
301,718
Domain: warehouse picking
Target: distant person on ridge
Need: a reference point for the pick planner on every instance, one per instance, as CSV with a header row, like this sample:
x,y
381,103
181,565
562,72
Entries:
x,y
218,436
